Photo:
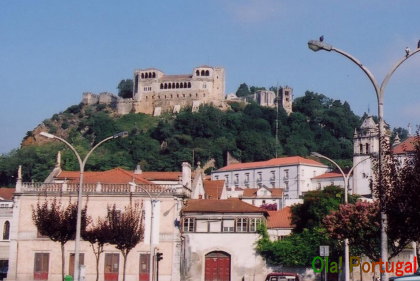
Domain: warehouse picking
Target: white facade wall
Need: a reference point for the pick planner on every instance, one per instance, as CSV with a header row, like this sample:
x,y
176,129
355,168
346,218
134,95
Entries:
x,y
338,181
294,179
6,215
25,243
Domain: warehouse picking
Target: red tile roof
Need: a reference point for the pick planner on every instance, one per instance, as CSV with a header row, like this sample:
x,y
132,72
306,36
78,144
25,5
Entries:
x,y
161,176
213,189
280,219
409,145
285,161
328,175
6,193
231,205
116,175
252,192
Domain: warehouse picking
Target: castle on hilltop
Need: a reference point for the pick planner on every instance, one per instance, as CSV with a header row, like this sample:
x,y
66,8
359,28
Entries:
x,y
155,92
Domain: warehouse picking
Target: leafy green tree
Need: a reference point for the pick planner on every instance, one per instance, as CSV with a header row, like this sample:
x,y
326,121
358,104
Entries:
x,y
125,88
243,90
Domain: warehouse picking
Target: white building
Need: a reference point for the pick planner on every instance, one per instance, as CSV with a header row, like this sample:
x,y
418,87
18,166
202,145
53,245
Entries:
x,y
293,174
6,216
219,240
328,179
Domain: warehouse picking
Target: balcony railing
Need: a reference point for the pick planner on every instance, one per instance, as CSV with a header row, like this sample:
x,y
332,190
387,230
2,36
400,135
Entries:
x,y
101,188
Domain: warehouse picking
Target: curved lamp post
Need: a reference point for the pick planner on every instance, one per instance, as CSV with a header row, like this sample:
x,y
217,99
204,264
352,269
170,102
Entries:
x,y
153,200
315,46
346,188
79,197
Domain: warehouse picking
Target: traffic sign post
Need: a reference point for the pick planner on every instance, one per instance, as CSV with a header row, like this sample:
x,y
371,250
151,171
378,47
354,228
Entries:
x,y
324,251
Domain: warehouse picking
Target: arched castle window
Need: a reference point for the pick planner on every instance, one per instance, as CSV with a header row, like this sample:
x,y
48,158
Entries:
x,y
173,85
154,74
150,75
203,73
197,72
146,75
142,75
136,84
361,148
189,84
161,85
177,85
207,73
185,85
169,86
181,85
367,148
6,230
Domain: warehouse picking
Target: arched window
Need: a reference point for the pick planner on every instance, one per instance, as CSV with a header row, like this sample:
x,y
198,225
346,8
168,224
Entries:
x,y
165,86
142,75
367,148
203,73
189,84
207,73
197,72
177,85
146,75
6,230
169,86
136,84
150,75
154,74
361,148
161,85
181,85
185,85
173,85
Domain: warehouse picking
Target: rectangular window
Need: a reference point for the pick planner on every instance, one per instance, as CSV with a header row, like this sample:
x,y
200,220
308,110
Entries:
x,y
228,225
286,186
241,225
188,225
71,262
227,181
253,224
112,264
286,174
246,177
215,226
41,266
259,178
236,179
201,226
273,176
144,267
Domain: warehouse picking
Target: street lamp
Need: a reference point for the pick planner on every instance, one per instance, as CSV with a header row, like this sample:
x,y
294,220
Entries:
x,y
315,46
346,188
153,200
79,197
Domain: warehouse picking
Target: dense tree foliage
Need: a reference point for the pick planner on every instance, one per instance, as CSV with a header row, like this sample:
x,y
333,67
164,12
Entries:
x,y
163,143
125,88
57,222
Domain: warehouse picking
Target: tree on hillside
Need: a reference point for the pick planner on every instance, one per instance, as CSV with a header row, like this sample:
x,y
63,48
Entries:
x,y
57,222
243,90
125,88
127,228
98,235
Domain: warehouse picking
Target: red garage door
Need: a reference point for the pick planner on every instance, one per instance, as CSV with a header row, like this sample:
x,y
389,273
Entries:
x,y
217,266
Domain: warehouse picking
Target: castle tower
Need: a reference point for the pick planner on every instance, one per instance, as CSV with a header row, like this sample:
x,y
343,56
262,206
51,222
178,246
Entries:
x,y
286,96
365,143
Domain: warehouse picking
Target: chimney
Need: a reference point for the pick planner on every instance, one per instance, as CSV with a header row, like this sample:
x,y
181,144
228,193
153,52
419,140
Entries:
x,y
138,170
186,174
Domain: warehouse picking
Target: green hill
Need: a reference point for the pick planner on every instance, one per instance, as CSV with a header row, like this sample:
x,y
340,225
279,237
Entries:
x,y
162,143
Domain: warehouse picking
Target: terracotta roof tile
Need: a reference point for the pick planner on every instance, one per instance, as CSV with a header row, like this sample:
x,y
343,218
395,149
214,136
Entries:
x,y
213,188
116,175
169,176
285,161
280,219
6,193
409,145
231,205
328,175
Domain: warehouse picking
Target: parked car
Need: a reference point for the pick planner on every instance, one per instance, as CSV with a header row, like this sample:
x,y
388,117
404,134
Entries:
x,y
282,276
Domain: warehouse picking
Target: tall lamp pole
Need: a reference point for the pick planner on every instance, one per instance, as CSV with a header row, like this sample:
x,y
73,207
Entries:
x,y
315,46
346,190
79,197
153,200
